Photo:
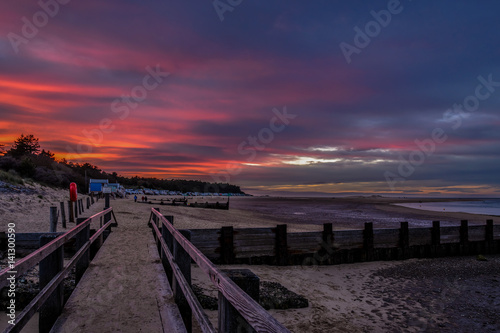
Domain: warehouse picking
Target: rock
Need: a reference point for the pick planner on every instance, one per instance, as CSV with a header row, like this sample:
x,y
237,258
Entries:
x,y
274,296
207,302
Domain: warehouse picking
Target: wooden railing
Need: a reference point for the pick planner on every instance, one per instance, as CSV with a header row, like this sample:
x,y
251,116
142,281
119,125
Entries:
x,y
177,252
53,271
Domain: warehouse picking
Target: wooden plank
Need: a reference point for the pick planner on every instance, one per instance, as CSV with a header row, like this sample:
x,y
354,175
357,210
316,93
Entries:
x,y
81,239
450,235
50,267
420,236
477,233
253,313
386,238
183,261
496,231
254,233
305,242
348,239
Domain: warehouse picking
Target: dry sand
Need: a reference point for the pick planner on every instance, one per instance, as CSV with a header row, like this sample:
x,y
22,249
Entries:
x,y
364,297
30,210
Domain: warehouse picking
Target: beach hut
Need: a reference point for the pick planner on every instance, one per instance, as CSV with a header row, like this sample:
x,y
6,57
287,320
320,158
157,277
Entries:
x,y
96,185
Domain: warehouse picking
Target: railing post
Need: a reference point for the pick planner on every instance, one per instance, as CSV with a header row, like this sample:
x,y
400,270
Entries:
x,y
71,211
227,245
436,239
169,240
81,238
63,215
281,245
368,241
107,217
76,209
464,237
183,260
489,236
53,219
404,240
50,267
156,219
230,320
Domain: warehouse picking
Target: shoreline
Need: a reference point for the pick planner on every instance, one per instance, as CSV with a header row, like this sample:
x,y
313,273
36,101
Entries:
x,y
30,212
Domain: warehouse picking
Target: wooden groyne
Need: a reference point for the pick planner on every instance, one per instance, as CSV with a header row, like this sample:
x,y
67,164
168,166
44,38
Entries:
x,y
276,246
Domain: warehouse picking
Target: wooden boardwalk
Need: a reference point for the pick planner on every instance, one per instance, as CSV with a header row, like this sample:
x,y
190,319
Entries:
x,y
125,288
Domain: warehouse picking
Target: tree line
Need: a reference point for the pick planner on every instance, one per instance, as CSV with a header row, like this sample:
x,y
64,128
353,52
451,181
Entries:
x,y
26,159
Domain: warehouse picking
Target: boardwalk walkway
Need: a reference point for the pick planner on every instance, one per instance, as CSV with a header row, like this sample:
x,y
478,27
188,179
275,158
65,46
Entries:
x,y
125,288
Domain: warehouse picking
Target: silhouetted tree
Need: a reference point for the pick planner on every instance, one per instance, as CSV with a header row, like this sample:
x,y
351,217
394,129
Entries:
x,y
47,154
24,145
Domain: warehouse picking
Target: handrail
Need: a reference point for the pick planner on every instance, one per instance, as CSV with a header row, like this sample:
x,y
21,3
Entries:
x,y
23,265
201,316
253,313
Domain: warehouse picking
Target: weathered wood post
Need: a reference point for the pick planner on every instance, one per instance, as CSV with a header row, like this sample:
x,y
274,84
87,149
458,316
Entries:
x,y
107,217
81,239
436,239
464,237
63,215
488,237
404,241
168,238
80,202
96,246
92,197
183,260
159,225
71,211
50,267
53,219
327,246
88,202
368,241
230,320
227,245
76,209
281,245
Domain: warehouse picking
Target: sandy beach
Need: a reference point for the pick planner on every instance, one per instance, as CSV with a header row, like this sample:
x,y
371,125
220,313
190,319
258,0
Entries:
x,y
438,295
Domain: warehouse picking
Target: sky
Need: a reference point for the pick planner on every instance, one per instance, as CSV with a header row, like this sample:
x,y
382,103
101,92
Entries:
x,y
387,97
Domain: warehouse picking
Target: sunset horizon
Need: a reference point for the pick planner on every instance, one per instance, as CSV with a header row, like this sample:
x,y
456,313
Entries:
x,y
320,99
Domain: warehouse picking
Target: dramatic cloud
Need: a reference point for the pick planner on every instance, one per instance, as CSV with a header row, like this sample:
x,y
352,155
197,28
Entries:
x,y
266,98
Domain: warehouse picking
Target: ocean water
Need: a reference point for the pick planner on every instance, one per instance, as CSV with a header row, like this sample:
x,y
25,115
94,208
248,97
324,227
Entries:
x,y
484,207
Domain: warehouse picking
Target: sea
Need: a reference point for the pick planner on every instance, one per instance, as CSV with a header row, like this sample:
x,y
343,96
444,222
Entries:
x,y
483,207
